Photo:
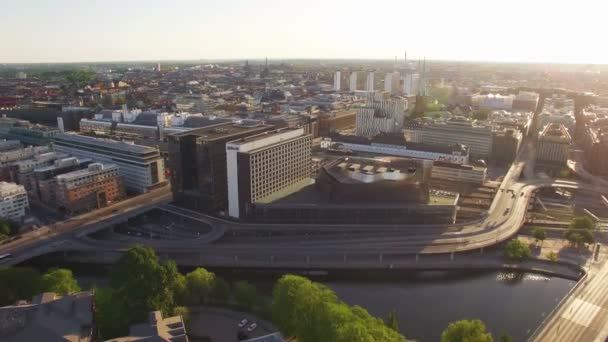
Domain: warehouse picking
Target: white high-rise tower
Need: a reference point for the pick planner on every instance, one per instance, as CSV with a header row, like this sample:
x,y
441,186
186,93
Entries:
x,y
369,83
337,77
353,81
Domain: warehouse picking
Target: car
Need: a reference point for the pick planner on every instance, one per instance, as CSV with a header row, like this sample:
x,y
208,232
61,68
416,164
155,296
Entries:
x,y
507,211
252,327
243,322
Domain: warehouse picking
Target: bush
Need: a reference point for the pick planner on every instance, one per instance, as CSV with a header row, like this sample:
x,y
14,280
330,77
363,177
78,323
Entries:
x,y
552,256
517,251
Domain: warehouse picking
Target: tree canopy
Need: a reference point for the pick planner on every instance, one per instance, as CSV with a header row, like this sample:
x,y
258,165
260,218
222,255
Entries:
x,y
245,294
60,281
517,250
311,312
466,331
139,283
582,222
540,234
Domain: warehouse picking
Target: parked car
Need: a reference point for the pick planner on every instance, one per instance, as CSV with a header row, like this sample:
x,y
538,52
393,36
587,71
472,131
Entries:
x,y
243,322
252,327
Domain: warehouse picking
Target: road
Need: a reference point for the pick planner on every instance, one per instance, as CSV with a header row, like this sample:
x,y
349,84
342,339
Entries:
x,y
584,314
50,237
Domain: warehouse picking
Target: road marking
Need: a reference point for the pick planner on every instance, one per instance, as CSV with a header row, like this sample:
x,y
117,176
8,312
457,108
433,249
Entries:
x,y
581,312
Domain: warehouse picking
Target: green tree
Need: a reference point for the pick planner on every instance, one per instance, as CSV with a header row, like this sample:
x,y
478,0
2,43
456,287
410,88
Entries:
x,y
540,234
311,312
582,222
5,228
60,281
579,237
79,78
198,286
552,256
245,294
220,291
143,284
111,314
392,321
18,283
466,331
504,337
517,250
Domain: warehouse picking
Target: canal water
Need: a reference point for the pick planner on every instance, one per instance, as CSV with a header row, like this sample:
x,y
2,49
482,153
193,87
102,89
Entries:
x,y
425,302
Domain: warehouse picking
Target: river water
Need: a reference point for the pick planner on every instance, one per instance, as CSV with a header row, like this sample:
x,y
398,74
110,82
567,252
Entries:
x,y
426,302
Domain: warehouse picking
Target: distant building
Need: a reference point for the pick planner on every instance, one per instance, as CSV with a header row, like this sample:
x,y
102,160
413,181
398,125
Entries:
x,y
9,157
198,163
453,172
478,137
33,134
369,82
396,145
266,166
553,145
142,167
337,80
411,84
352,86
526,100
13,201
21,75
506,144
493,101
595,144
49,317
170,329
380,114
95,187
391,83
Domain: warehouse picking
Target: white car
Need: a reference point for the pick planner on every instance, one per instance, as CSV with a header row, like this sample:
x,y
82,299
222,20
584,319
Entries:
x,y
252,327
243,322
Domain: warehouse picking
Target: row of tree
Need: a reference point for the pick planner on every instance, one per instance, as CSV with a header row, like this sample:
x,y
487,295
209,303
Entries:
x,y
8,228
312,312
20,283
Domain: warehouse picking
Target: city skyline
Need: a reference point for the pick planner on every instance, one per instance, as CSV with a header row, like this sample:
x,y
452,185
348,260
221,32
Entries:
x,y
69,31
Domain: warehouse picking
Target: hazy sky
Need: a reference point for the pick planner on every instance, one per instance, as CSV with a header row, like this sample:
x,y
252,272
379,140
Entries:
x,y
109,30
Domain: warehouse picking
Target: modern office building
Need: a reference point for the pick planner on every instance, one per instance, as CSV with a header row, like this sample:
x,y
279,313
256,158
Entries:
x,y
391,83
337,79
452,172
380,114
13,201
394,144
45,181
97,186
506,144
553,145
33,134
23,171
352,85
197,163
369,82
366,191
411,84
142,167
493,101
477,137
266,166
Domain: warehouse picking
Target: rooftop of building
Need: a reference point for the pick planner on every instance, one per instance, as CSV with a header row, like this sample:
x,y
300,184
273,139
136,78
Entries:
x,y
264,135
396,139
7,189
555,131
49,317
92,168
224,130
195,121
62,163
158,329
108,143
450,165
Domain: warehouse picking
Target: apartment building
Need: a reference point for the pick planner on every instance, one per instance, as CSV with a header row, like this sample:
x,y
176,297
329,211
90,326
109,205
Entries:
x,y
13,201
